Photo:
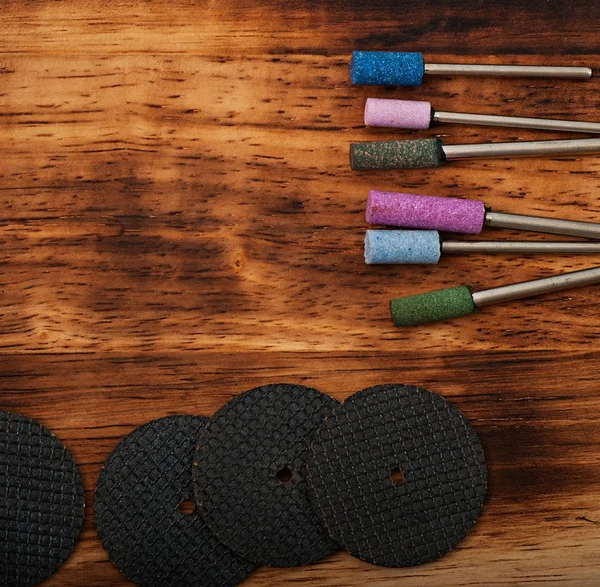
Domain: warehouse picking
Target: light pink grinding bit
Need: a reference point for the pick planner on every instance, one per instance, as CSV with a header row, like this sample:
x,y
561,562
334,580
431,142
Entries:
x,y
430,212
397,113
412,114
468,216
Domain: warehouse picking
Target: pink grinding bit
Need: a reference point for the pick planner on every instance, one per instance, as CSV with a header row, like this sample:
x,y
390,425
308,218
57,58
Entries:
x,y
429,212
412,114
468,216
409,114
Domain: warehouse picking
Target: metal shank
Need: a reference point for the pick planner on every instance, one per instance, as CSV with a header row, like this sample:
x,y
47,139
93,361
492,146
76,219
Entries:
x,y
519,247
508,70
540,224
522,148
537,286
516,122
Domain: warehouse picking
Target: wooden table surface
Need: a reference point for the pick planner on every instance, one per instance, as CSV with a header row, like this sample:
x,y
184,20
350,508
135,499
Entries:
x,y
179,223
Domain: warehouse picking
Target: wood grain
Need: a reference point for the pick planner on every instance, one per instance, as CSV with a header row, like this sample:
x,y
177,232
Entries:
x,y
179,223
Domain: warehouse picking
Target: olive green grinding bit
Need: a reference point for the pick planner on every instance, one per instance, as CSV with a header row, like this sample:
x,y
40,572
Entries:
x,y
433,153
441,304
453,302
396,154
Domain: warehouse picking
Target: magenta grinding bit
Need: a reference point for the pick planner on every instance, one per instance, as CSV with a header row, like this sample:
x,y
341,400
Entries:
x,y
468,216
410,114
428,212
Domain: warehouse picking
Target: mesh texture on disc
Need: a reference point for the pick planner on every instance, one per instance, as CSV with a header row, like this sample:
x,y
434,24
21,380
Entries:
x,y
41,502
140,517
397,475
250,481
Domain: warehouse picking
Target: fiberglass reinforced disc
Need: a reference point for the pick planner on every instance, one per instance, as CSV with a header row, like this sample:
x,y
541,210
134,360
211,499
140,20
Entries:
x,y
249,478
397,475
141,516
41,502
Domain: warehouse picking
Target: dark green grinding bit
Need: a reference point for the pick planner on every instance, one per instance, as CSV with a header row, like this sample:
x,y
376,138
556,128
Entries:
x,y
396,154
441,304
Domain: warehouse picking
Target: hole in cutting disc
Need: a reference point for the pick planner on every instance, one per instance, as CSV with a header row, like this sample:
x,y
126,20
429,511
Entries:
x,y
186,507
284,475
397,476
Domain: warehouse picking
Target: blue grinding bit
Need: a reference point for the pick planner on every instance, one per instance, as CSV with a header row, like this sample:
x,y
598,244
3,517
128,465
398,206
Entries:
x,y
402,247
407,69
386,68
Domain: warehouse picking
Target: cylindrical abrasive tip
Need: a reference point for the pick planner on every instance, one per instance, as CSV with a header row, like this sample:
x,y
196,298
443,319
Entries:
x,y
402,247
396,154
442,304
411,114
428,212
385,68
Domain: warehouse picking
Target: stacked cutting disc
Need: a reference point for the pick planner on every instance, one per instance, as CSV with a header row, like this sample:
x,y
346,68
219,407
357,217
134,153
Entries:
x,y
283,475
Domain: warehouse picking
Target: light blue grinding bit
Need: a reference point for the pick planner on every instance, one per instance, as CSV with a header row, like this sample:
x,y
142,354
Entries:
x,y
386,68
402,247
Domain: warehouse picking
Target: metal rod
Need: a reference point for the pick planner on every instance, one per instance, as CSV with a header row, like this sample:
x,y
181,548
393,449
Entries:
x,y
509,70
516,122
522,148
540,224
538,286
519,247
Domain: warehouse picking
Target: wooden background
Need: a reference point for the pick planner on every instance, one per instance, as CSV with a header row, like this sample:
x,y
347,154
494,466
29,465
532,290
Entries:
x,y
179,223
